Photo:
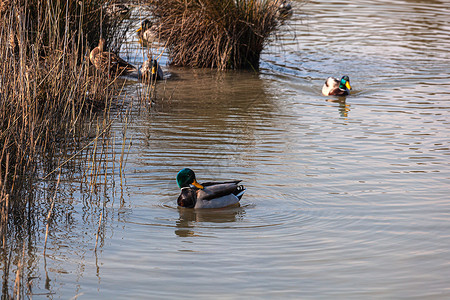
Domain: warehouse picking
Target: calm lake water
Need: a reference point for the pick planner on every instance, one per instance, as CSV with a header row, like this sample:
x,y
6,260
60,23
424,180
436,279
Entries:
x,y
346,198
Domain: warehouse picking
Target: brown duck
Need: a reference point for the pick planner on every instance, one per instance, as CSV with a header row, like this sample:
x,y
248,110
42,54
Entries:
x,y
150,70
108,62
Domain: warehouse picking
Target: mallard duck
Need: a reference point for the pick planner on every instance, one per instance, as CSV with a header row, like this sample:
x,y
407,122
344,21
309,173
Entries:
x,y
151,70
284,8
334,87
148,31
208,194
109,62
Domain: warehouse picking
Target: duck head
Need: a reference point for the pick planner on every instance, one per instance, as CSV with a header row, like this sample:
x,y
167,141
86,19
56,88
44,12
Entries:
x,y
97,50
345,83
146,24
186,177
155,71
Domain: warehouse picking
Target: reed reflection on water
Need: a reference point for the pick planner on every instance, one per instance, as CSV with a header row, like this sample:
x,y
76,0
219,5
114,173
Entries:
x,y
346,198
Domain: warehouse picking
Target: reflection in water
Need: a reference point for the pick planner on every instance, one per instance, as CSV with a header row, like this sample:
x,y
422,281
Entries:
x,y
191,218
208,125
343,108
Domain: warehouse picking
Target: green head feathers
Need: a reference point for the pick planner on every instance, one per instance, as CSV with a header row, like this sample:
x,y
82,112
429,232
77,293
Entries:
x,y
186,177
345,83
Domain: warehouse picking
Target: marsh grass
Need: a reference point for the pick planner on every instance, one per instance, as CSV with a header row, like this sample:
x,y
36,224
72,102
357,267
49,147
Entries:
x,y
223,34
49,100
45,87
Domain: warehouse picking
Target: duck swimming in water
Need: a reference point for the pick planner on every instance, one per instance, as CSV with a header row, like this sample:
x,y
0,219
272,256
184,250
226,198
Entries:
x,y
284,8
208,194
334,87
148,32
150,70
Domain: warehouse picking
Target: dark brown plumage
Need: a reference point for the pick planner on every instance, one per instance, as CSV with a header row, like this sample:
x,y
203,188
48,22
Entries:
x,y
150,70
108,62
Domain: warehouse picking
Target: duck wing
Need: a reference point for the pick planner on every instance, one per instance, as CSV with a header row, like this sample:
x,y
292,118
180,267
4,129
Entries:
x,y
224,182
110,62
217,190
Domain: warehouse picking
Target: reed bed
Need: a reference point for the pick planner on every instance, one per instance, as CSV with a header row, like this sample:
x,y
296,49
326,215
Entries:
x,y
45,87
223,34
48,93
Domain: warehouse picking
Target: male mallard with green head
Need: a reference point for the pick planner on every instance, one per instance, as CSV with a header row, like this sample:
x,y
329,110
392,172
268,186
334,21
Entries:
x,y
108,62
334,87
208,194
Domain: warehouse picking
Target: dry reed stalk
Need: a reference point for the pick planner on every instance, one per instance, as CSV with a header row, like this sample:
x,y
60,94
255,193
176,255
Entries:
x,y
93,162
223,34
98,230
122,154
4,217
114,159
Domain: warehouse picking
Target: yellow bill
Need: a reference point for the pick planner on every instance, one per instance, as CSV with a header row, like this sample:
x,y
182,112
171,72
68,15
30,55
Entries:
x,y
347,84
197,185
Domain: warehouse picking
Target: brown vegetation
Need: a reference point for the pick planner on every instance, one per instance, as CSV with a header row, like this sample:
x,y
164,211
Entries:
x,y
46,91
223,34
48,101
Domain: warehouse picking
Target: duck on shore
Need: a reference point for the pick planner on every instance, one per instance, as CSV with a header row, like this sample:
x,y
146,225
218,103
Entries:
x,y
208,194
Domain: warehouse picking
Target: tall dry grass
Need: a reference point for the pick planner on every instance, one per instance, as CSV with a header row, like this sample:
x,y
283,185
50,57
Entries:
x,y
47,92
223,34
48,99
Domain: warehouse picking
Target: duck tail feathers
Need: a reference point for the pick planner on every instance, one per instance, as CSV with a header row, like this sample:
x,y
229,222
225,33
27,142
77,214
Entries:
x,y
240,191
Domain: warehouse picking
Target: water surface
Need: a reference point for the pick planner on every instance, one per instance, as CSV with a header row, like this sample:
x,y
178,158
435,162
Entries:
x,y
346,198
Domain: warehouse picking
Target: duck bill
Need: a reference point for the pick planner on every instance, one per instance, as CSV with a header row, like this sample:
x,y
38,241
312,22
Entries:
x,y
197,185
153,73
139,30
347,85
